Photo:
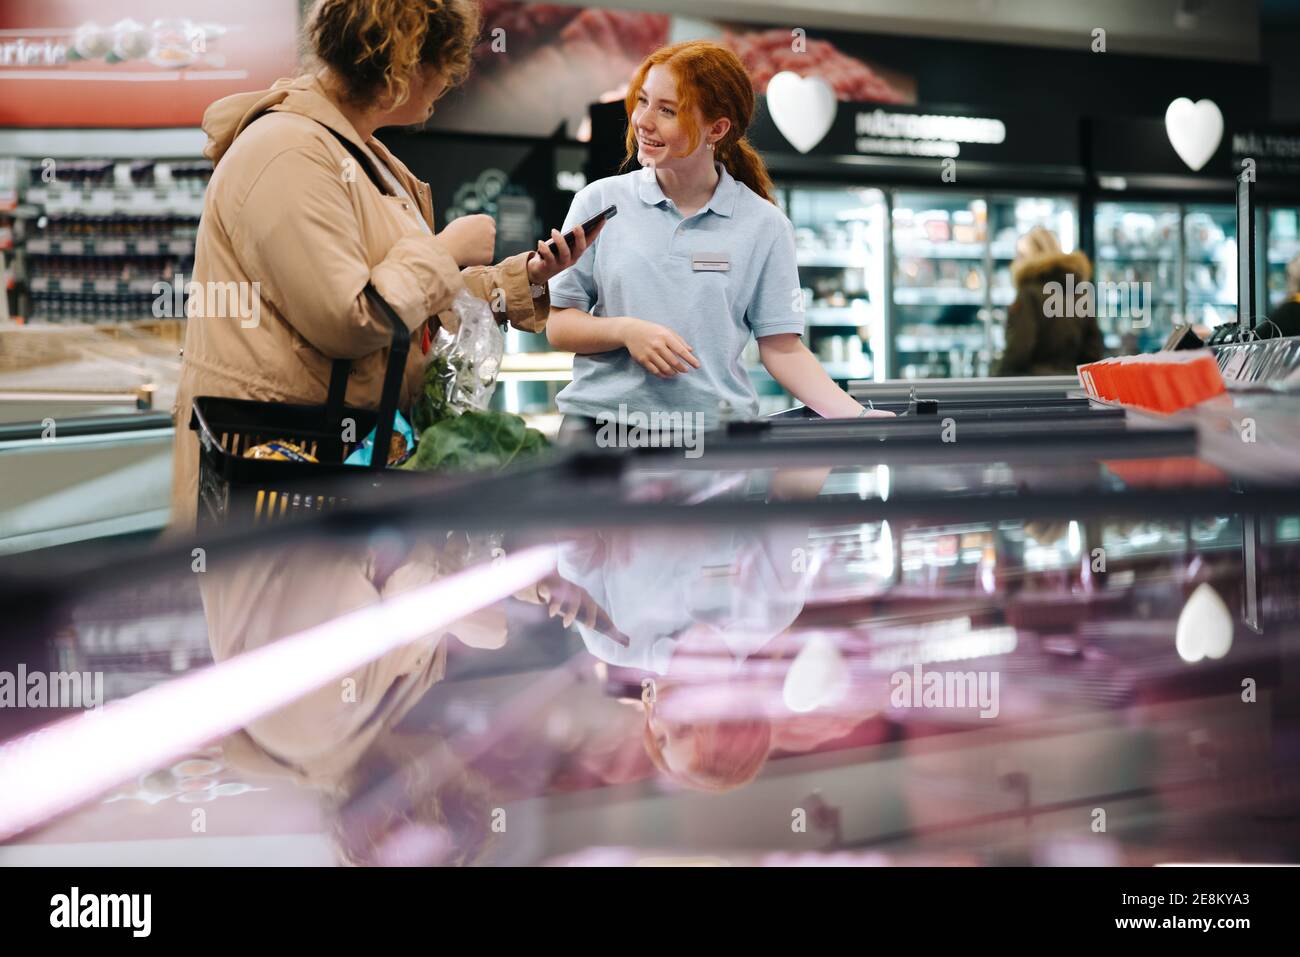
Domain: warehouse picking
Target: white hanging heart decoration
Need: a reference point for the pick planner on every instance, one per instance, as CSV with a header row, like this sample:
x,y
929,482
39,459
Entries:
x,y
802,107
1195,130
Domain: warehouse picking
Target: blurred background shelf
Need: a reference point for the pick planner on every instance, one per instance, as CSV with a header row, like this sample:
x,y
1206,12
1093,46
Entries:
x,y
98,286
845,316
832,260
109,247
904,296
940,250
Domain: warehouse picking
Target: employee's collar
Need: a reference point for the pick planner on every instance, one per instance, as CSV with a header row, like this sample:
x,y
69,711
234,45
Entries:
x,y
722,202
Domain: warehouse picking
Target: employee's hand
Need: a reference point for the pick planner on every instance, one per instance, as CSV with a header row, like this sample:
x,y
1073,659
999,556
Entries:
x,y
471,240
543,266
570,603
657,348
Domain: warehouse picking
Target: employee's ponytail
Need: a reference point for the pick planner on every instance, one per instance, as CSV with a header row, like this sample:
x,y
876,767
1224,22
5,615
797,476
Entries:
x,y
712,78
746,166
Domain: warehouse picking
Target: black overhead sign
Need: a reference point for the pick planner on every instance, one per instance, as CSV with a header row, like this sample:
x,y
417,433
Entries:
x,y
930,133
1132,153
1135,153
882,143
1274,151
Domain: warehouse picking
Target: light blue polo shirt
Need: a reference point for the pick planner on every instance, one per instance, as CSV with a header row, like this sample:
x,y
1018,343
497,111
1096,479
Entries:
x,y
645,263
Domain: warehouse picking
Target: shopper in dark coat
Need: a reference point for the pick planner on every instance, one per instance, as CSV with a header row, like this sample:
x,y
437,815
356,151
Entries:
x,y
1042,341
1286,317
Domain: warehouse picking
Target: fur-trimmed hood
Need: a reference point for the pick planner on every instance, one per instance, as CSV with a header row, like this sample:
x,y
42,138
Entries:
x,y
1031,268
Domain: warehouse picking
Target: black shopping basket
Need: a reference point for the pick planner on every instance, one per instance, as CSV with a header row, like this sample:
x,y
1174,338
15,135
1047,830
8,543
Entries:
x,y
261,490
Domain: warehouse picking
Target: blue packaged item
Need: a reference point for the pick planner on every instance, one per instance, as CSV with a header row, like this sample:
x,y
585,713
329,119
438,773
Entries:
x,y
361,454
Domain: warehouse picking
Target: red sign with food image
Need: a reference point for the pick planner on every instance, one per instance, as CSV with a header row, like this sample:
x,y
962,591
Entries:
x,y
137,63
538,65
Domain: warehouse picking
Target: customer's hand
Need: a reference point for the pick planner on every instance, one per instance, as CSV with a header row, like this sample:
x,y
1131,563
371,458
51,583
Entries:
x,y
544,265
471,240
657,348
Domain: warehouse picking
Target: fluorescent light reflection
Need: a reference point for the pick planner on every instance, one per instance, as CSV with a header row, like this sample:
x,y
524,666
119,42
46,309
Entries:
x,y
58,768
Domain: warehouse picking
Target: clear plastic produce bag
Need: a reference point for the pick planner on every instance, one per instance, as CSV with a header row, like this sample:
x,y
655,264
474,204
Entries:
x,y
468,361
455,429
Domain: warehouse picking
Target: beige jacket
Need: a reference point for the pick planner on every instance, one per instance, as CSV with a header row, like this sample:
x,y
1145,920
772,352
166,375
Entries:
x,y
288,208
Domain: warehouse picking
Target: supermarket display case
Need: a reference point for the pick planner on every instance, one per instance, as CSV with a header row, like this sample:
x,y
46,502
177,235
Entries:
x,y
782,592
89,226
93,236
941,283
952,256
1185,250
949,256
1210,264
1139,243
910,284
842,255
9,183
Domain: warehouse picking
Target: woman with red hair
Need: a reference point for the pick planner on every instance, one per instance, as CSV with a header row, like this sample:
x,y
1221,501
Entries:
x,y
698,260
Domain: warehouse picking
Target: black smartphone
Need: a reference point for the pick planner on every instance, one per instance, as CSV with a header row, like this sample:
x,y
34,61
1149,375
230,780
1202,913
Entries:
x,y
609,212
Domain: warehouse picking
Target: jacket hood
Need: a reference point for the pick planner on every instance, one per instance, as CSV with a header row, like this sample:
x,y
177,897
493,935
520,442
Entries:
x,y
229,116
1031,268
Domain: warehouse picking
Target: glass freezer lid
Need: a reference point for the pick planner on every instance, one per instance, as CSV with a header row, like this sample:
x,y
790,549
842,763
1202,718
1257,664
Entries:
x,y
919,478
831,467
921,690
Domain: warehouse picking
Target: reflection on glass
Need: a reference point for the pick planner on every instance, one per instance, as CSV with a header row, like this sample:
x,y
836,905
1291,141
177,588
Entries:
x,y
1137,538
949,557
1204,626
695,615
1047,545
939,690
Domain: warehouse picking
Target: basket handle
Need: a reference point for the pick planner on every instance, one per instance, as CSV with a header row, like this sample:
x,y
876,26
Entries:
x,y
400,348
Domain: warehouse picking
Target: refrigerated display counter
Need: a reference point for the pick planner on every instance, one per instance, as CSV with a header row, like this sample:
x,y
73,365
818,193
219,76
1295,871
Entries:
x,y
85,436
952,256
907,284
1139,244
938,652
78,466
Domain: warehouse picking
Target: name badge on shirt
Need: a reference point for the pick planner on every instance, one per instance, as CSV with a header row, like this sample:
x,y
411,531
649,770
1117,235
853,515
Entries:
x,y
710,262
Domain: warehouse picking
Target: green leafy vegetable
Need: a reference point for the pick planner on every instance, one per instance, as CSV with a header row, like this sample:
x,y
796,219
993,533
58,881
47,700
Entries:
x,y
432,405
448,438
475,441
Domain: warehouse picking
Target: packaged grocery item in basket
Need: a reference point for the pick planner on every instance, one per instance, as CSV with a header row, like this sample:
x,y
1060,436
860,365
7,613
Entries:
x,y
400,447
279,450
